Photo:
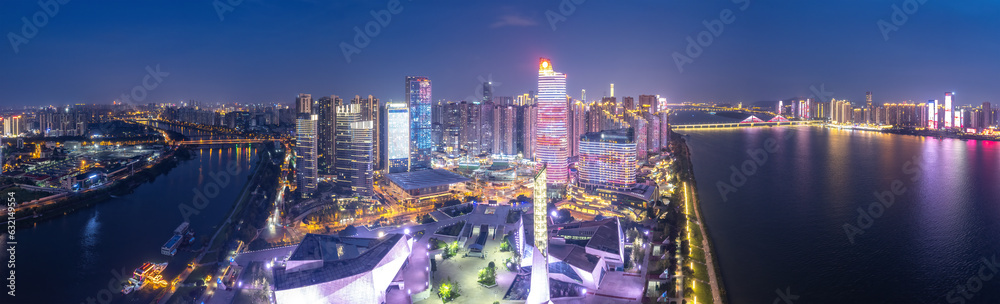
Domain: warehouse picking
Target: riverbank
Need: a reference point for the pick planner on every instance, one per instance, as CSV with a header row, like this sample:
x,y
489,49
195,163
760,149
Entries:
x,y
47,210
921,132
698,234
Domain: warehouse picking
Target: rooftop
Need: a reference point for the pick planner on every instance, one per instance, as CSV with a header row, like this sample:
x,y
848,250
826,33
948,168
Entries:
x,y
617,136
425,178
333,269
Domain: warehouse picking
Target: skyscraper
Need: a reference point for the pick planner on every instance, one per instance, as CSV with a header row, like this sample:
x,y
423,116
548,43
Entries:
x,y
948,119
418,100
552,137
354,151
306,174
326,109
370,111
303,104
608,159
487,92
648,103
932,114
987,115
398,128
539,291
628,103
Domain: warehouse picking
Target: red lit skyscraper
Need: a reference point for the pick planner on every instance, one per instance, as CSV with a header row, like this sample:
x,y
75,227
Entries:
x,y
551,135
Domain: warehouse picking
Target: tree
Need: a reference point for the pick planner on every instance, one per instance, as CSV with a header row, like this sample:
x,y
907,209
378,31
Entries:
x,y
488,275
448,290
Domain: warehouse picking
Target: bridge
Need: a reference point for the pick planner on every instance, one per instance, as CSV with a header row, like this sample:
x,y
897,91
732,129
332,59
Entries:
x,y
223,141
746,124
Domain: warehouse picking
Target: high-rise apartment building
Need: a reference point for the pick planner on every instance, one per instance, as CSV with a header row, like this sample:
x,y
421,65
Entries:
x,y
304,104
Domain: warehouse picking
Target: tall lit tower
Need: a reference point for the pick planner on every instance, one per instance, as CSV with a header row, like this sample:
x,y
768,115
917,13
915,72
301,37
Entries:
x,y
398,118
552,142
932,114
306,173
418,100
948,121
612,90
539,292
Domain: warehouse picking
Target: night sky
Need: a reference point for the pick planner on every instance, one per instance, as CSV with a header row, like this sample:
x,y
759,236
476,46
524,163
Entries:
x,y
269,51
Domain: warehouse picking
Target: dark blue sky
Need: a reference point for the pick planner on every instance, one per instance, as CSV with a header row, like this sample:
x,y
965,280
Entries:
x,y
268,50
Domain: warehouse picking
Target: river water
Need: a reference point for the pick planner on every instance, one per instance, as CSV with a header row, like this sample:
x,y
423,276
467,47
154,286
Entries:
x,y
72,258
793,225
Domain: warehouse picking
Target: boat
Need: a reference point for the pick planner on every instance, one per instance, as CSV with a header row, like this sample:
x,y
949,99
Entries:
x,y
142,276
133,284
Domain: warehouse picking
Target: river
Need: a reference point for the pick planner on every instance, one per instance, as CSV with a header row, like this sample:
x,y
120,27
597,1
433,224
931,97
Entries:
x,y
792,228
73,257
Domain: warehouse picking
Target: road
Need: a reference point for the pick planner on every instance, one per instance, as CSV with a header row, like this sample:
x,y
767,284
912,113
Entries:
x,y
710,265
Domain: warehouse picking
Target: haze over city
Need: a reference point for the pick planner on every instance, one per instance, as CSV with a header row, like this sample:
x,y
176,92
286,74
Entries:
x,y
268,51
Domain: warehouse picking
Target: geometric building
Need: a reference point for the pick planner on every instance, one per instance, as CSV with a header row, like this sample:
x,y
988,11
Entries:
x,y
334,269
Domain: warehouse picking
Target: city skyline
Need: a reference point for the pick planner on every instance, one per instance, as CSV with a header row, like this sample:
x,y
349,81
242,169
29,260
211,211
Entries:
x,y
625,54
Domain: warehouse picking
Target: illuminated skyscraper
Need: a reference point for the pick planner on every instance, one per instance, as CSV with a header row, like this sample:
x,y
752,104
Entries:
x,y
608,159
949,122
398,116
932,114
418,100
370,111
552,137
306,174
539,292
354,151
